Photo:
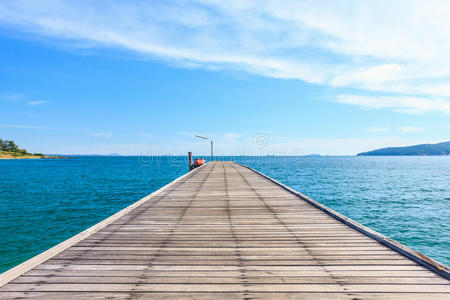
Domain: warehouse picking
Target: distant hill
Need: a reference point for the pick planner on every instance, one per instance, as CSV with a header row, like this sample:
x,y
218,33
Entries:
x,y
424,149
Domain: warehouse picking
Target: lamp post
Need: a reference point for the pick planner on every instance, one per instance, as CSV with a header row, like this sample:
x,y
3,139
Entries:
x,y
205,138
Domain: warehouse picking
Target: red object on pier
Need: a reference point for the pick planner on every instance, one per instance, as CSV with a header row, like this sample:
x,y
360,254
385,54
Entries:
x,y
198,162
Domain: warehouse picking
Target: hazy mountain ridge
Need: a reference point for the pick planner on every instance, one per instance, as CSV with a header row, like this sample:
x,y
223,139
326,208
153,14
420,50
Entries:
x,y
423,149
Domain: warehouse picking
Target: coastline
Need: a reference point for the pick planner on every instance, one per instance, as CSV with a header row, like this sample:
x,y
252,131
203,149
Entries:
x,y
4,155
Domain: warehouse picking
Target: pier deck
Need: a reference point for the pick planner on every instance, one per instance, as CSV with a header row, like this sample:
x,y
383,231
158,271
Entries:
x,y
223,231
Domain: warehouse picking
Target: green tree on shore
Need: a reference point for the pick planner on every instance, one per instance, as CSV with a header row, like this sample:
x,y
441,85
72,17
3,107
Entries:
x,y
10,146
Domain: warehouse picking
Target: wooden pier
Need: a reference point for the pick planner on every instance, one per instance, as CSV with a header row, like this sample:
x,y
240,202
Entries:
x,y
224,231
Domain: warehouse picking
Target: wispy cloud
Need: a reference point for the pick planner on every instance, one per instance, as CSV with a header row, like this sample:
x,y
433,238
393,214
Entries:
x,y
410,129
187,134
413,105
369,77
101,134
145,135
37,102
20,97
18,126
358,44
232,136
12,96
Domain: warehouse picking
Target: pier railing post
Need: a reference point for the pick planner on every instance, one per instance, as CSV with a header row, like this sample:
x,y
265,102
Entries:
x,y
190,161
212,157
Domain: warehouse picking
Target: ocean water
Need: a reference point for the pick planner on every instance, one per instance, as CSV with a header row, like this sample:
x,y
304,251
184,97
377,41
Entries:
x,y
43,202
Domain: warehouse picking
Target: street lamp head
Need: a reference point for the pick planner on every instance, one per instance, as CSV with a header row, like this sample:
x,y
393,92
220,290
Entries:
x,y
202,137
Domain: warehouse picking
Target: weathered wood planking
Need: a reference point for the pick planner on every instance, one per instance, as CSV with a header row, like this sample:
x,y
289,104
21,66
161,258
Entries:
x,y
225,231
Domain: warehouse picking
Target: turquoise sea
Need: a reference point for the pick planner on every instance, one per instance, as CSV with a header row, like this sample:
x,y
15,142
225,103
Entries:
x,y
43,202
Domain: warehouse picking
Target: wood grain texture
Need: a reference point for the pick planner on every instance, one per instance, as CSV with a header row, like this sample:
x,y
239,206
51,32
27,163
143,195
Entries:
x,y
223,231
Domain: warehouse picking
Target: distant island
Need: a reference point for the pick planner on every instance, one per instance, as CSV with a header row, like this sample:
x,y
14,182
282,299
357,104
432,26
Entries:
x,y
423,149
9,150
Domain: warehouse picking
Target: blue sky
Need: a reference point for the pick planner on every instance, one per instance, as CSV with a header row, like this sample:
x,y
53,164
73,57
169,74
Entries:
x,y
259,77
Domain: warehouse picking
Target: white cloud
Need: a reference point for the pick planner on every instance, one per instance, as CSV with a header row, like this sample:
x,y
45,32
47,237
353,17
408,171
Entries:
x,y
410,129
412,105
379,129
358,44
369,76
38,102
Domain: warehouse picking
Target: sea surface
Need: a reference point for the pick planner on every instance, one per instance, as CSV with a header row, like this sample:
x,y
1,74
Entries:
x,y
44,202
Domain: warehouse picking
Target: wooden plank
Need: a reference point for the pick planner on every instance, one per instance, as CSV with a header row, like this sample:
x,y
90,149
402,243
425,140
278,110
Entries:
x,y
239,287
215,279
221,295
273,274
218,279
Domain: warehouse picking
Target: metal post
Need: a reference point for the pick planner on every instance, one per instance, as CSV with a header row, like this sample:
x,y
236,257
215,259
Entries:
x,y
212,157
190,160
